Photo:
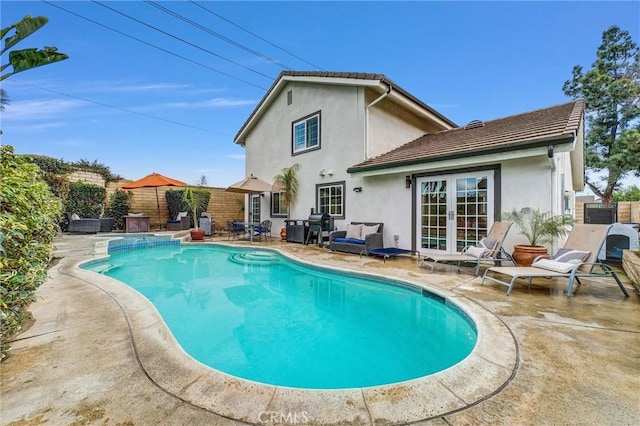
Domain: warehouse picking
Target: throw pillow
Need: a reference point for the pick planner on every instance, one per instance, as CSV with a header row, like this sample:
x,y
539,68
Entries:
x,y
475,251
181,215
488,243
75,217
354,231
552,265
570,256
369,229
136,214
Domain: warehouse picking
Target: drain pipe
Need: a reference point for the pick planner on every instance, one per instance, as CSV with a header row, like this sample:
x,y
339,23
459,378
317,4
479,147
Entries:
x,y
554,191
366,120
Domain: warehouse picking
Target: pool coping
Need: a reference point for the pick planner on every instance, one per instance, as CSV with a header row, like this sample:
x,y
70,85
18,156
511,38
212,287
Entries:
x,y
487,370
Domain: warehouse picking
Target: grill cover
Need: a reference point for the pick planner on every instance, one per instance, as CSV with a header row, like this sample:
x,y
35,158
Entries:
x,y
321,219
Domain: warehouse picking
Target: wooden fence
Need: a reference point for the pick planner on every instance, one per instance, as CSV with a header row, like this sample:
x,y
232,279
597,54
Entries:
x,y
223,205
628,211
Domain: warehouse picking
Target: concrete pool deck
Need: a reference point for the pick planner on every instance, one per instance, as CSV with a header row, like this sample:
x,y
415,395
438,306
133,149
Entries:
x,y
577,359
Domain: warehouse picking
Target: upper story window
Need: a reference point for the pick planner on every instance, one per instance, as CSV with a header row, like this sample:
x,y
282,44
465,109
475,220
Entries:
x,y
306,134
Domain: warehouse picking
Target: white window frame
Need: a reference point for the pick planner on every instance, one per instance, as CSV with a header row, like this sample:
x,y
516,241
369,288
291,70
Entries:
x,y
320,208
303,126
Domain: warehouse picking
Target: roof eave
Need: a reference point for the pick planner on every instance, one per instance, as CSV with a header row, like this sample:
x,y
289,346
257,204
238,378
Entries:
x,y
534,144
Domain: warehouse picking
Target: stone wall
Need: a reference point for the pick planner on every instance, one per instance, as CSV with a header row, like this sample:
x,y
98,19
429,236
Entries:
x,y
87,177
223,205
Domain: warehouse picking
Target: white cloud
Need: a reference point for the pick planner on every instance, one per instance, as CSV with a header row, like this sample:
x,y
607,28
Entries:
x,y
211,103
39,109
38,128
144,87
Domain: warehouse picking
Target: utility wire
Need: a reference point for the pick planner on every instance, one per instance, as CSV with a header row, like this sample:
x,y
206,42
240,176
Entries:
x,y
255,35
118,108
154,46
182,40
215,34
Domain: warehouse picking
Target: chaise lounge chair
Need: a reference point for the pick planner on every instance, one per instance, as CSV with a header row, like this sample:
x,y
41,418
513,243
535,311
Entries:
x,y
489,249
577,259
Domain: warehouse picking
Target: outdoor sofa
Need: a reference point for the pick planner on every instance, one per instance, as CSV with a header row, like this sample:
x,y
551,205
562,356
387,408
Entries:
x,y
350,241
79,225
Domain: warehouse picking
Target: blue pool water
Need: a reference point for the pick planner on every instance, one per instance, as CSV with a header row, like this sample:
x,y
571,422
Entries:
x,y
261,317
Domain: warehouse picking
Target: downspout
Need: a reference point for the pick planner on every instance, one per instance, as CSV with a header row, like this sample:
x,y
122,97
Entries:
x,y
366,120
554,201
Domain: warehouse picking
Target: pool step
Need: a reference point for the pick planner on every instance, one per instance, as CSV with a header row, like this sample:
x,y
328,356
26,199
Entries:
x,y
255,258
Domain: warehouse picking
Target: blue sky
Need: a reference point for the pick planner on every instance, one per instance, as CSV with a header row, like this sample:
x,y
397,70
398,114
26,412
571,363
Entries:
x,y
138,109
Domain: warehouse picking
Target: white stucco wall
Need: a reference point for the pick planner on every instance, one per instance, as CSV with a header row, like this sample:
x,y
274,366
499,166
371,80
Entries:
x,y
342,109
527,177
390,126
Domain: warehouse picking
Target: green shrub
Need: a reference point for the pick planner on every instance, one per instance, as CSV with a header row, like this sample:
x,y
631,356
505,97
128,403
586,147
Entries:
x,y
176,203
85,199
119,206
51,165
29,214
61,167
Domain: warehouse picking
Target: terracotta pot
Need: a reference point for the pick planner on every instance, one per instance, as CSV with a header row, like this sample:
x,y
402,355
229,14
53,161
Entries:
x,y
524,255
197,235
283,234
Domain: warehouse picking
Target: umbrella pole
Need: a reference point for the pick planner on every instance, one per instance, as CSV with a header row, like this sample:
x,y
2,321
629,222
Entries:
x,y
158,203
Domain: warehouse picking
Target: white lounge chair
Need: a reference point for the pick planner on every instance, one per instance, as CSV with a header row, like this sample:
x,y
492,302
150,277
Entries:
x,y
577,259
477,254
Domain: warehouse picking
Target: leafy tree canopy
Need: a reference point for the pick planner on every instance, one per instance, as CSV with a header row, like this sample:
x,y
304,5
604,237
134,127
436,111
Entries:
x,y
611,90
628,194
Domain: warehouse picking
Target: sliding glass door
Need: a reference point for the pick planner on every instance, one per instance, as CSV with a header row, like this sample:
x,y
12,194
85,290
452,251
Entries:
x,y
454,210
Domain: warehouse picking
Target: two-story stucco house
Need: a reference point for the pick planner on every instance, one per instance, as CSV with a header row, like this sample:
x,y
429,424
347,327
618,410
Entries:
x,y
370,151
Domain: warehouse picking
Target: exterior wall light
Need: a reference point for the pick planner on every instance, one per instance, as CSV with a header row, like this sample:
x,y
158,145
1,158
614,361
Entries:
x,y
407,181
357,189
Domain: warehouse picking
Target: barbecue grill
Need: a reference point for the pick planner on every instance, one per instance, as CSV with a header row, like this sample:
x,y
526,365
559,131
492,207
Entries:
x,y
320,224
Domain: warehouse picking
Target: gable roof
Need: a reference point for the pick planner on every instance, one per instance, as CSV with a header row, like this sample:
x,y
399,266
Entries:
x,y
377,82
547,126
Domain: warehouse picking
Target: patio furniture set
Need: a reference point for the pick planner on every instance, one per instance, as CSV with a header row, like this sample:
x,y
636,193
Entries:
x,y
239,228
76,224
577,259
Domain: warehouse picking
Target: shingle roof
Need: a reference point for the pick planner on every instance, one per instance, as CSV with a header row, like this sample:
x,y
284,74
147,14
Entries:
x,y
339,75
536,128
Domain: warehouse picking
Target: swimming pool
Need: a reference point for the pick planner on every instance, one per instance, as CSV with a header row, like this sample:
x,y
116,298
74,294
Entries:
x,y
262,317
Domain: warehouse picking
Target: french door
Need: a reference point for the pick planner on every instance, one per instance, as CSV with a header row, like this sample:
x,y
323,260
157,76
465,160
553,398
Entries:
x,y
254,204
454,211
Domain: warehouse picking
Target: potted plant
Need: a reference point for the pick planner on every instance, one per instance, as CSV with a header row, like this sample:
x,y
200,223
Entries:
x,y
539,229
287,181
195,200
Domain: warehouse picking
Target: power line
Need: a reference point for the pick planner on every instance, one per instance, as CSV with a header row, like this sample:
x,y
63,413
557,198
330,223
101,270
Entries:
x,y
182,40
255,35
153,45
215,34
118,108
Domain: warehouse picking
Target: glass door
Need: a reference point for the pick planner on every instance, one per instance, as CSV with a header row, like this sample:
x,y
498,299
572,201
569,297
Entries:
x,y
454,211
254,213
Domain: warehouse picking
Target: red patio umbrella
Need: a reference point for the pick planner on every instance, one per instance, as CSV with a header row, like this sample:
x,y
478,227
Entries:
x,y
154,180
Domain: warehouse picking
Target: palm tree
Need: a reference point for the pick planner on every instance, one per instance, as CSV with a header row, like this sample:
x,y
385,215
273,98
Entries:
x,y
287,180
